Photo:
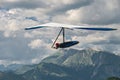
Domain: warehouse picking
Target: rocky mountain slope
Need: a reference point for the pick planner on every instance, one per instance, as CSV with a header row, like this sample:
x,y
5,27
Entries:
x,y
77,65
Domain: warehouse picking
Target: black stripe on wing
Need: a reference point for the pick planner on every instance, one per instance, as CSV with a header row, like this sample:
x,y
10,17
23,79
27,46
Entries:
x,y
98,29
34,27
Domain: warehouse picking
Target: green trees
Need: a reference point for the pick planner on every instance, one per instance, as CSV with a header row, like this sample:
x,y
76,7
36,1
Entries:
x,y
113,78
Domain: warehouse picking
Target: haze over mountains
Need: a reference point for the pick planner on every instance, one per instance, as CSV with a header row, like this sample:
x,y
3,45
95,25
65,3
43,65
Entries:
x,y
70,64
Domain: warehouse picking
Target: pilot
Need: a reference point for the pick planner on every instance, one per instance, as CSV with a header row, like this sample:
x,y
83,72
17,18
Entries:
x,y
57,45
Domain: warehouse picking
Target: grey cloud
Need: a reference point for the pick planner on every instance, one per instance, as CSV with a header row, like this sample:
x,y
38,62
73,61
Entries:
x,y
31,18
106,42
65,7
112,40
102,13
59,6
97,12
23,4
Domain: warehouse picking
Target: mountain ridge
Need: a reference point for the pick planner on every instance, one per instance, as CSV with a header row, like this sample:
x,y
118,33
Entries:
x,y
75,64
72,64
66,57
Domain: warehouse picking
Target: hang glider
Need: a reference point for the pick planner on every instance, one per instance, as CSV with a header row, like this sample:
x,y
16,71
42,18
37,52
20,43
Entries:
x,y
66,44
69,27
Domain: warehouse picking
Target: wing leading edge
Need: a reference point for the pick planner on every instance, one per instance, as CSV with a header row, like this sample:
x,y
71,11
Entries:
x,y
69,26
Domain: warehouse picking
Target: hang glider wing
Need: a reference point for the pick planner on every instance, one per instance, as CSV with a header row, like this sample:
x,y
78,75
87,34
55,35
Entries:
x,y
69,26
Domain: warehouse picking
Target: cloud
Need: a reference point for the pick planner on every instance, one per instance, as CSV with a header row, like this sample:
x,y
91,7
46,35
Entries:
x,y
100,12
96,13
77,11
12,21
9,4
32,18
16,50
36,44
62,6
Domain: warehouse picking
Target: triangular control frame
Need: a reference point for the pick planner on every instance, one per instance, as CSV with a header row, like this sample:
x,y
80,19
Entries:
x,y
62,30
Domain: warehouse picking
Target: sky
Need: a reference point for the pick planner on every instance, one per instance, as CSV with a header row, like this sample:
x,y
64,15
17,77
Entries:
x,y
30,47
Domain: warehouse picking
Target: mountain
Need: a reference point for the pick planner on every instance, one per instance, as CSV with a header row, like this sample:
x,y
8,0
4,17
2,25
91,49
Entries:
x,y
2,68
10,76
72,64
75,64
16,68
11,67
113,78
23,69
71,58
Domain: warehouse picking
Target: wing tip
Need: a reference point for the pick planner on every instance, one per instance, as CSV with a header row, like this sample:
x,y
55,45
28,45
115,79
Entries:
x,y
35,27
115,29
26,29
